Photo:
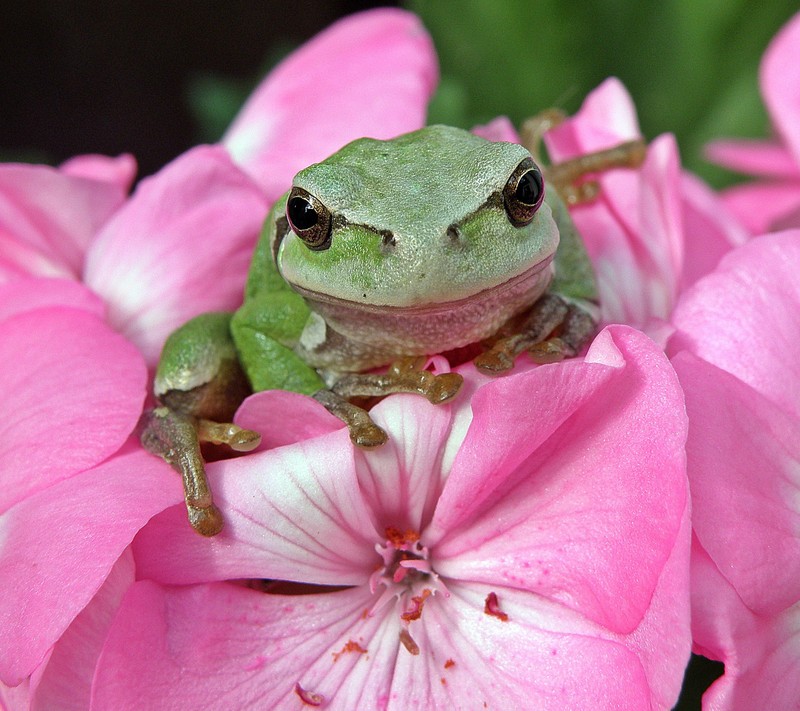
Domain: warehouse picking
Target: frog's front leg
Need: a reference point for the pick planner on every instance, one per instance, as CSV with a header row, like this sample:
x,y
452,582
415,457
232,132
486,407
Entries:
x,y
199,385
406,375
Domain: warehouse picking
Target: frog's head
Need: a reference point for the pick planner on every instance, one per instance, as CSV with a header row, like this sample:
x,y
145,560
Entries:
x,y
424,220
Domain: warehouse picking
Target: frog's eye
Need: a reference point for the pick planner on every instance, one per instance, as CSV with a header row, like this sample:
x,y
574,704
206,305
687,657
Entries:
x,y
523,193
309,219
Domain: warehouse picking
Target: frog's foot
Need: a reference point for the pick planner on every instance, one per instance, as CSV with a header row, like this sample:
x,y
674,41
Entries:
x,y
549,315
406,375
567,176
176,438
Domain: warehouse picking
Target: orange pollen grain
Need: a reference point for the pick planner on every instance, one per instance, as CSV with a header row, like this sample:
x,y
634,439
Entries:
x,y
416,612
449,663
350,646
400,538
492,608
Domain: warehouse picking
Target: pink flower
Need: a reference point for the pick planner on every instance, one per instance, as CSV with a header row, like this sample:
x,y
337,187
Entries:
x,y
72,494
652,231
182,243
737,338
527,551
772,202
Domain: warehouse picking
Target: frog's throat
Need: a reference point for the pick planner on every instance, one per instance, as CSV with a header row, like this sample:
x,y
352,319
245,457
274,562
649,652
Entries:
x,y
429,328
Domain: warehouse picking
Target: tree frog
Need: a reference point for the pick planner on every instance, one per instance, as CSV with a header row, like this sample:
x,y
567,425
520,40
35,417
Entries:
x,y
383,254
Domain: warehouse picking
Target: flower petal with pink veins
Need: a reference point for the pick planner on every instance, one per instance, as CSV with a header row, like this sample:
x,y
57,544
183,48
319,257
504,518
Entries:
x,y
768,159
21,295
178,647
72,393
119,170
604,493
48,218
760,653
745,317
400,483
58,546
744,469
179,247
780,83
283,417
65,680
292,513
314,101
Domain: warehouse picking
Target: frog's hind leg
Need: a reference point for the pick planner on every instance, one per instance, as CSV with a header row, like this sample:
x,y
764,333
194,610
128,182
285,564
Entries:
x,y
191,413
406,375
567,176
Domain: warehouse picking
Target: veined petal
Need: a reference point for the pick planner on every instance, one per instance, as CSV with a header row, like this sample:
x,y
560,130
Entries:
x,y
48,219
72,393
58,546
759,283
315,101
178,647
590,516
744,469
780,83
181,246
23,295
65,680
402,479
292,513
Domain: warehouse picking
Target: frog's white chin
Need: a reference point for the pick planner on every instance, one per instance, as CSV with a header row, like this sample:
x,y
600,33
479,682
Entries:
x,y
387,332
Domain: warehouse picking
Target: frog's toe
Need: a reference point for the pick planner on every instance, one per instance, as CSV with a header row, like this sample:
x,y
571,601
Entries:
x,y
206,521
494,362
552,350
368,435
444,388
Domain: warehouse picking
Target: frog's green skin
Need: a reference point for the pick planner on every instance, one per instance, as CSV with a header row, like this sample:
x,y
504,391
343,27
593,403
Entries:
x,y
422,258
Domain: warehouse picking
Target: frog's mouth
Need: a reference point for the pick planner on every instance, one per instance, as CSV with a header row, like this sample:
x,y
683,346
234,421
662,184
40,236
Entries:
x,y
533,280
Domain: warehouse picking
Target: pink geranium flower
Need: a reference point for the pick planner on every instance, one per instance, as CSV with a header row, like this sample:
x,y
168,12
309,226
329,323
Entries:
x,y
772,202
736,344
182,243
511,553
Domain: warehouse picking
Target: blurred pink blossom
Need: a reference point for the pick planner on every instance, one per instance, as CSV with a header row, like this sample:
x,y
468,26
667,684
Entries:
x,y
735,348
508,550
772,202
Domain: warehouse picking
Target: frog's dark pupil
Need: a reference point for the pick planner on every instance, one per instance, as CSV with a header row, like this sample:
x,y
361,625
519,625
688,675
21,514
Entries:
x,y
529,188
302,213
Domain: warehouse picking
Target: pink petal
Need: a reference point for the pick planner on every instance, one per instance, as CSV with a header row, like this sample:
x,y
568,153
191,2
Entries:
x,y
180,246
47,579
588,515
72,393
499,129
119,170
759,206
23,295
282,417
245,649
536,659
711,231
768,159
401,481
760,653
743,455
65,682
780,83
292,513
370,74
48,218
606,118
745,317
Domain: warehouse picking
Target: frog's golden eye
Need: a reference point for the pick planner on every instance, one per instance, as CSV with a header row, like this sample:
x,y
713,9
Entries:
x,y
309,219
523,193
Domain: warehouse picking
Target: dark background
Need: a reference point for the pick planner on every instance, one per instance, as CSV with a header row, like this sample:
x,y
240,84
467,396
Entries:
x,y
115,76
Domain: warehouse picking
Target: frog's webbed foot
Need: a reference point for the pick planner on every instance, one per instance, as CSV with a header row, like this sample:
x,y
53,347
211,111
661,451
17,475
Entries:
x,y
566,176
552,331
404,376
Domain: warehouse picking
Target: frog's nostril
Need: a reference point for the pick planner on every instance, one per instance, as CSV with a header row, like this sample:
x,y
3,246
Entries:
x,y
454,232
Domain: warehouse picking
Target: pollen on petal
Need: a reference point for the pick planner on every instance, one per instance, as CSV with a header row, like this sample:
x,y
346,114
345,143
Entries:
x,y
492,607
399,538
408,642
449,663
308,697
417,602
350,646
